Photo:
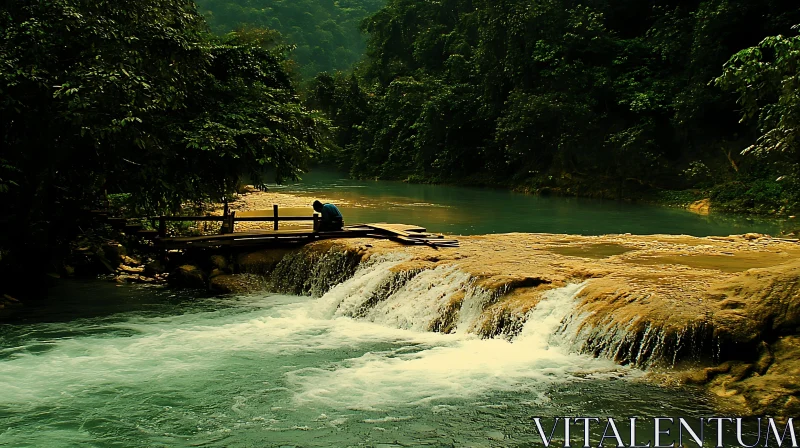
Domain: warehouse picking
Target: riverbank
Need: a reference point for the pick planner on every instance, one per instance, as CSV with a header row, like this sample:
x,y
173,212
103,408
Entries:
x,y
722,312
753,197
718,311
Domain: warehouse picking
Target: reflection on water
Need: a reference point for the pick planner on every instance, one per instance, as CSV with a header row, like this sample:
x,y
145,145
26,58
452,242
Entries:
x,y
471,211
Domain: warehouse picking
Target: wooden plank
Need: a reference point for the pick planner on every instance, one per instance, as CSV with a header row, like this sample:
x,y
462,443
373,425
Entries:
x,y
194,218
400,227
238,218
396,229
264,241
271,219
421,241
226,221
269,233
269,213
424,235
404,227
358,227
405,234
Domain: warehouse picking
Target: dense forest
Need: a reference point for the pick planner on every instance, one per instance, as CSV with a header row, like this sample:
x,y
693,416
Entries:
x,y
137,98
614,98
325,34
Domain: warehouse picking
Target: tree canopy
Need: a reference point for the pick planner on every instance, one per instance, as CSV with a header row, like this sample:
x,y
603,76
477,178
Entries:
x,y
592,97
135,97
562,94
325,33
767,79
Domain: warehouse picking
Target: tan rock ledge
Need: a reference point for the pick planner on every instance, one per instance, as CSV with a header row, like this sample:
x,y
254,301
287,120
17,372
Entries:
x,y
720,311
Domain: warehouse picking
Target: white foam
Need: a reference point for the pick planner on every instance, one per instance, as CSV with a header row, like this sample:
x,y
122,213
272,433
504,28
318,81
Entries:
x,y
348,297
421,301
387,361
464,366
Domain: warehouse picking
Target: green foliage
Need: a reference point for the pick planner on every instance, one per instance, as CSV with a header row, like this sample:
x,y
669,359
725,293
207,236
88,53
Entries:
x,y
325,33
761,196
6,170
767,79
618,92
341,99
134,97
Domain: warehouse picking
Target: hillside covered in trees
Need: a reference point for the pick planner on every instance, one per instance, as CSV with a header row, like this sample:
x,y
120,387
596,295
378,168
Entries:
x,y
325,33
596,97
135,98
612,98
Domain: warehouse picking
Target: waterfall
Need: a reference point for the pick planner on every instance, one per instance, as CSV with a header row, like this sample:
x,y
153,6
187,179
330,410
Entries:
x,y
413,300
445,299
442,299
380,297
639,342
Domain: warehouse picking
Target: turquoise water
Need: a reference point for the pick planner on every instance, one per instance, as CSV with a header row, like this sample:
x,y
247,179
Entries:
x,y
475,211
106,366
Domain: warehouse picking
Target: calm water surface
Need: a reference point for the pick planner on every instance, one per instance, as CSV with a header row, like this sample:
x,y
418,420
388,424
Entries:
x,y
475,211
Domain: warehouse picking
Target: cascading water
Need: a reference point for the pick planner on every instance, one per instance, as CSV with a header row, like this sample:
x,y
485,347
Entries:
x,y
464,364
355,366
446,300
424,300
406,300
417,300
643,345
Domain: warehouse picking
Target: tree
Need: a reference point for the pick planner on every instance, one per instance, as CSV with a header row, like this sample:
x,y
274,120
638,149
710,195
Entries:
x,y
767,79
133,97
557,93
325,33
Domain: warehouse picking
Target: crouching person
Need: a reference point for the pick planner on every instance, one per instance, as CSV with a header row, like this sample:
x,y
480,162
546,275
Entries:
x,y
331,217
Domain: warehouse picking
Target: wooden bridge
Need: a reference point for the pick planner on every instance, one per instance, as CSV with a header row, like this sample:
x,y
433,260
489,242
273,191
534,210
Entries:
x,y
229,237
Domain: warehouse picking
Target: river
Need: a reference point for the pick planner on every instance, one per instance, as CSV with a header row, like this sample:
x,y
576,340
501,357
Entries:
x,y
154,368
106,366
478,211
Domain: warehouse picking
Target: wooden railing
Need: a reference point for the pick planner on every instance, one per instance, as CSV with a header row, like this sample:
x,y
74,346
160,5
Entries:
x,y
229,220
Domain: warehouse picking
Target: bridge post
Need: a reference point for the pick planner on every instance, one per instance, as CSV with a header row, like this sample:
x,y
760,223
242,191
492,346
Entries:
x,y
316,222
275,215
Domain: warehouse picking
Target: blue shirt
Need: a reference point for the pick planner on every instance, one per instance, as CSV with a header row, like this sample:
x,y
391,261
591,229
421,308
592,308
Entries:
x,y
330,213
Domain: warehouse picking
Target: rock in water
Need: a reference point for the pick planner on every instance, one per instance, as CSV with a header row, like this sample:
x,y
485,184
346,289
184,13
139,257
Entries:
x,y
219,262
243,283
701,207
188,276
